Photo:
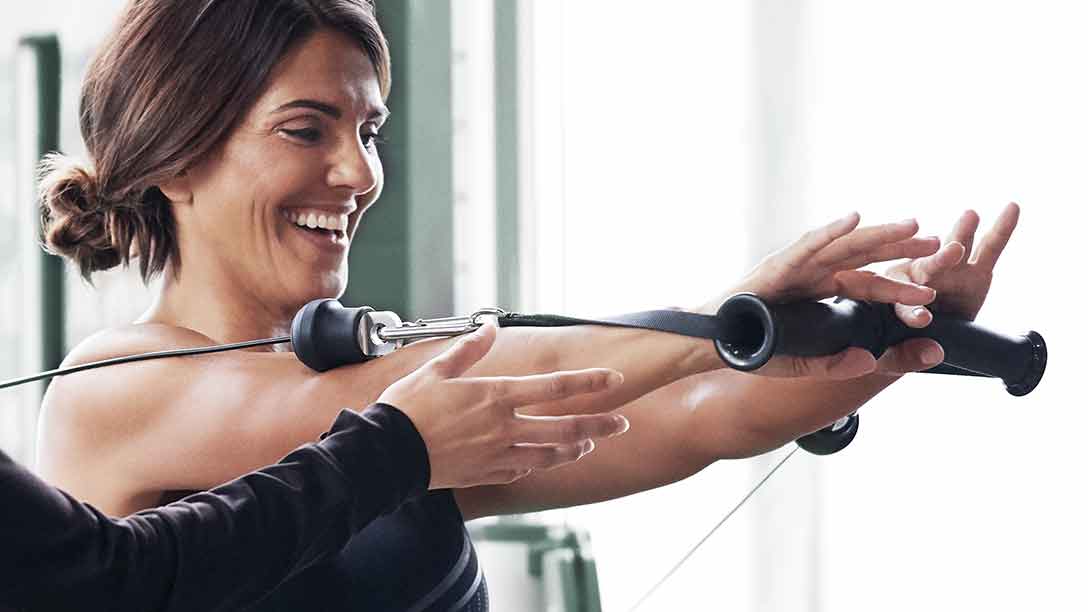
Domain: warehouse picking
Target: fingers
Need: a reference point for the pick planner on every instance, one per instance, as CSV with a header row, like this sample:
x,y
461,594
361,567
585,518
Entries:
x,y
850,363
923,270
504,477
993,243
858,243
910,248
868,286
914,316
527,458
549,456
963,231
544,443
465,353
912,355
816,240
510,393
568,429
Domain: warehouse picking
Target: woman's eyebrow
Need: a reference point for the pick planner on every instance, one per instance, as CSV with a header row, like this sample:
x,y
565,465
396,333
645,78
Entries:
x,y
375,114
322,107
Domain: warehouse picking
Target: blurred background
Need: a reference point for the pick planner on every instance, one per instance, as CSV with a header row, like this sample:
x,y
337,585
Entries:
x,y
593,157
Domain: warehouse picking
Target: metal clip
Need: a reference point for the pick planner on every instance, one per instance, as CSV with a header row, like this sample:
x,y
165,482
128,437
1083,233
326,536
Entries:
x,y
382,332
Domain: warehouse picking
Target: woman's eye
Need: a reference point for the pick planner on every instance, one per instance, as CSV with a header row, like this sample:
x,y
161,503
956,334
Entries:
x,y
309,135
372,139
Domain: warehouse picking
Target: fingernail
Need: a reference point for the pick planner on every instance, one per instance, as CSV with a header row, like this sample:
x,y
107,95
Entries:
x,y
589,446
906,222
615,379
919,312
621,424
932,355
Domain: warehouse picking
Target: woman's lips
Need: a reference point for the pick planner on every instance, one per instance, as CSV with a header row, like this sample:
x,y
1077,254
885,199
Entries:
x,y
325,239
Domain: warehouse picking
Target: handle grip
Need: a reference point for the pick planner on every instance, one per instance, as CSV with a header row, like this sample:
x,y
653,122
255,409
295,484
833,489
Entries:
x,y
754,331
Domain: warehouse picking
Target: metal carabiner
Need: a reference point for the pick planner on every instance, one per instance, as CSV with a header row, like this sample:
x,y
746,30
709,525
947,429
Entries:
x,y
382,331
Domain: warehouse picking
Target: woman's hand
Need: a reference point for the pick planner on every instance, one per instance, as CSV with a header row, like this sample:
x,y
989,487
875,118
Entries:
x,y
962,280
824,263
473,432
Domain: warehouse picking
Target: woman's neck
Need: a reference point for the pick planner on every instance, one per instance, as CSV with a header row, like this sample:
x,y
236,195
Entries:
x,y
216,307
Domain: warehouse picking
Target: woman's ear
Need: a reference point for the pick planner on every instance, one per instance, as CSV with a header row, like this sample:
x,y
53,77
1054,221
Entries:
x,y
179,189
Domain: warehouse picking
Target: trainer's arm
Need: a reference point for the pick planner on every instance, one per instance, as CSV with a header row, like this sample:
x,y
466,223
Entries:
x,y
222,549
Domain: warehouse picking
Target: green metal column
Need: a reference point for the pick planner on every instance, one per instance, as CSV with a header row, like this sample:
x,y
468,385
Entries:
x,y
46,53
402,258
507,158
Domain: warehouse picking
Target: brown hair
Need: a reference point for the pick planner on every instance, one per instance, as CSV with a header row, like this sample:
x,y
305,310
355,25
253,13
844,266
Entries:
x,y
166,87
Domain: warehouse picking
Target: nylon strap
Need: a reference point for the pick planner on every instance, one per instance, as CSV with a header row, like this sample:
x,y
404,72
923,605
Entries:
x,y
671,321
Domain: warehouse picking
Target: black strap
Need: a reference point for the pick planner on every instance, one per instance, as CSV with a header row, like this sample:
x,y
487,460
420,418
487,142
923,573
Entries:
x,y
670,321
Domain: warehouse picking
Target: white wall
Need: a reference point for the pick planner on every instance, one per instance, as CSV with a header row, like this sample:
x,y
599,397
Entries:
x,y
648,155
639,127
956,495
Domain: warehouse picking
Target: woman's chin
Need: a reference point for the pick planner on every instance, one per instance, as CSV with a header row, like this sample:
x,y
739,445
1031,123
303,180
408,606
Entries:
x,y
321,287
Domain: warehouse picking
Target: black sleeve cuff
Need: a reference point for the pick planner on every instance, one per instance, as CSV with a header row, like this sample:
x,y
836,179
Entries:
x,y
378,450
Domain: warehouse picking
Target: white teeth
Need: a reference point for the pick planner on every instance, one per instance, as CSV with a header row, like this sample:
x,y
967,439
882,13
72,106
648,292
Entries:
x,y
314,220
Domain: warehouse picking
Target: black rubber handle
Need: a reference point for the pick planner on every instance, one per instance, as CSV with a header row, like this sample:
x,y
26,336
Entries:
x,y
756,331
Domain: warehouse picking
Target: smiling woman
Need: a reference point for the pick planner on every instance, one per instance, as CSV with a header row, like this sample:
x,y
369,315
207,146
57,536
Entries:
x,y
232,149
154,145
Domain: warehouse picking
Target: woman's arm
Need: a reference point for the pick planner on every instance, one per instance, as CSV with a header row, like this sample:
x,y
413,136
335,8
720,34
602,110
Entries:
x,y
678,430
121,435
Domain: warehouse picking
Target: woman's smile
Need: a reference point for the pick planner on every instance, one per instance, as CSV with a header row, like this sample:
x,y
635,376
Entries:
x,y
327,229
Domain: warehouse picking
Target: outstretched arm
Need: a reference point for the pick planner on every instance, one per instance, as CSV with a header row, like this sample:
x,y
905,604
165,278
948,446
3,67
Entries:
x,y
678,430
214,417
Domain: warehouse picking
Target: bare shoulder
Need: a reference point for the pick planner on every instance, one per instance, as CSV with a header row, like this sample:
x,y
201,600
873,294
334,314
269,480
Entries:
x,y
105,385
109,404
91,421
132,339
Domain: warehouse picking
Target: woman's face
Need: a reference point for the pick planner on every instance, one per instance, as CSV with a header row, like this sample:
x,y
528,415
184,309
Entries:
x,y
274,209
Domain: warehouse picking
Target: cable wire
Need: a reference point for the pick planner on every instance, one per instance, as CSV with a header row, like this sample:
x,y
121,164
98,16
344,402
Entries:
x,y
691,552
204,350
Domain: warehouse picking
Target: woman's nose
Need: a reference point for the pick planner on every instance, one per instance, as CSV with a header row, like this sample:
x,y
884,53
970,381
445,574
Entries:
x,y
354,168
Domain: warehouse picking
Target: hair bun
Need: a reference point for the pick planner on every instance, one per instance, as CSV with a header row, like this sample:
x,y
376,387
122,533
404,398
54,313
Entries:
x,y
74,223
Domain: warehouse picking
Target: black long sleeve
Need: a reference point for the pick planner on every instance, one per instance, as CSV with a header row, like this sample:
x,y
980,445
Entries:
x,y
218,550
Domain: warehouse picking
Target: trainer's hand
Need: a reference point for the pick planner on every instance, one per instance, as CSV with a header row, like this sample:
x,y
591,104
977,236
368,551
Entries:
x,y
825,262
473,432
